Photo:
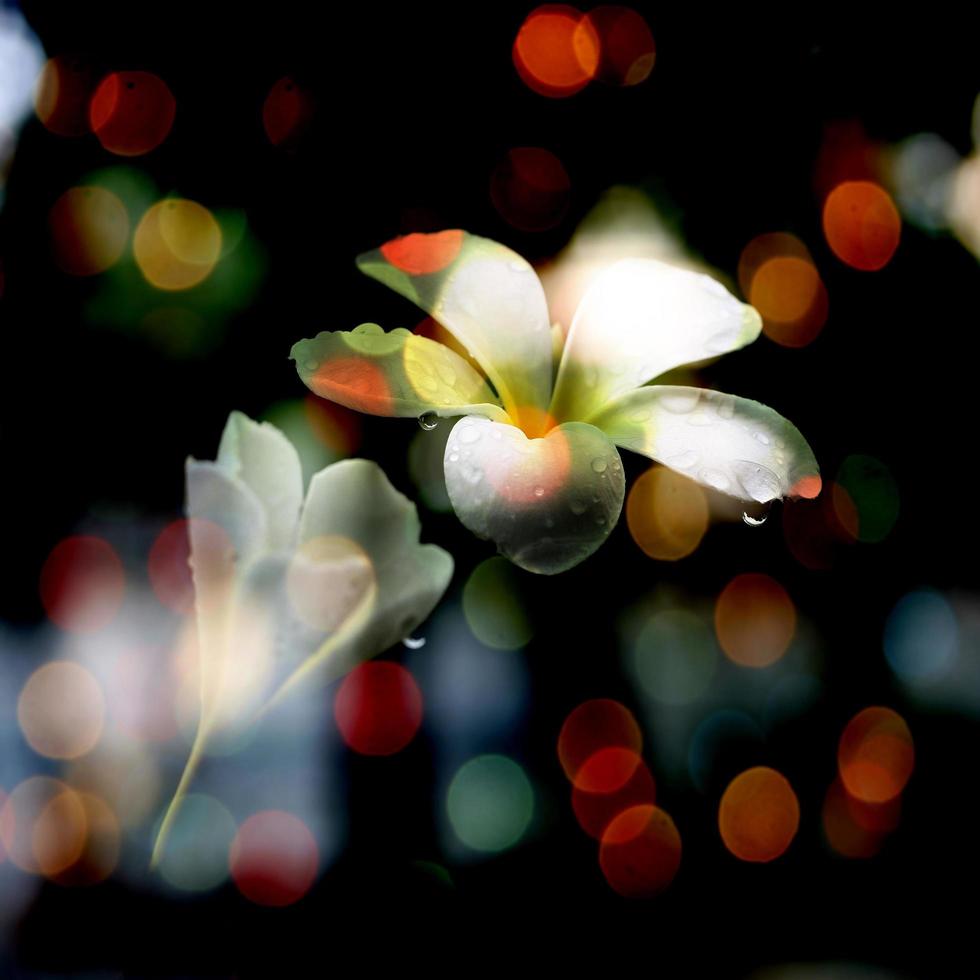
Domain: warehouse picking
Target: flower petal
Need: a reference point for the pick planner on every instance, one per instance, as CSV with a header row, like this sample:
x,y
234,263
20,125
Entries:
x,y
260,456
638,319
394,373
353,502
484,294
547,503
733,444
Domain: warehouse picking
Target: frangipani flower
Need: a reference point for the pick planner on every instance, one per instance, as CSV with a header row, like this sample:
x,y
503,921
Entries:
x,y
287,588
533,465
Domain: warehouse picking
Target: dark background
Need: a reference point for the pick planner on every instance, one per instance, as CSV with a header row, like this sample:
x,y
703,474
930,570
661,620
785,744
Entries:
x,y
416,105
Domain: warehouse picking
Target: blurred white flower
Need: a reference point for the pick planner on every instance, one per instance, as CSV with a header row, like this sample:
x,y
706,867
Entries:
x,y
289,590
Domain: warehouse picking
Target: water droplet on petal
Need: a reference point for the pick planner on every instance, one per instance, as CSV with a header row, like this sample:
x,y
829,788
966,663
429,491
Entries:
x,y
454,457
682,461
755,521
577,507
539,491
311,365
428,421
680,402
414,642
714,478
598,465
761,437
470,435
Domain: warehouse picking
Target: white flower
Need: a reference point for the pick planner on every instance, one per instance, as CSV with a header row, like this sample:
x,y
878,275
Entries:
x,y
533,464
288,589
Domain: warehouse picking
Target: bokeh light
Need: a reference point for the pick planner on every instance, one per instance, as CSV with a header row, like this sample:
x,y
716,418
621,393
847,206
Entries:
x,y
592,727
168,567
89,229
754,620
493,606
675,656
328,577
422,254
61,710
861,224
816,531
378,708
196,855
854,829
132,112
287,112
177,244
758,815
43,825
872,495
778,276
490,803
82,584
61,98
596,810
626,47
875,756
556,52
667,514
530,188
921,172
274,858
921,637
98,855
640,852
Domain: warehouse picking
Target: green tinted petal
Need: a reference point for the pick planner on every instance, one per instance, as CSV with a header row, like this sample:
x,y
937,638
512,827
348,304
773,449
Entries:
x,y
484,294
733,444
268,464
639,319
396,373
352,500
547,503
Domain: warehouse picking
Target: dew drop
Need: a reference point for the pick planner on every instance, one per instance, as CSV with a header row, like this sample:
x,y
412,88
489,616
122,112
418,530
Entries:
x,y
755,521
539,491
428,421
761,437
682,461
598,465
469,435
577,507
454,457
311,365
414,642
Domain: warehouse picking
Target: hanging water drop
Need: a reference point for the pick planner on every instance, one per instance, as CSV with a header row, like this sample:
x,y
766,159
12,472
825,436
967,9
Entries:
x,y
414,642
428,421
755,520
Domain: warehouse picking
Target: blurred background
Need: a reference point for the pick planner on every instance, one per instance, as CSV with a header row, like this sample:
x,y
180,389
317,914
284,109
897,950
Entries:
x,y
183,190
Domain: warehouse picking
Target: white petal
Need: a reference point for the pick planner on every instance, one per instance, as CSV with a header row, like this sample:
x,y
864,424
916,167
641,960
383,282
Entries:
x,y
396,373
353,501
640,318
484,294
735,445
547,503
260,456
